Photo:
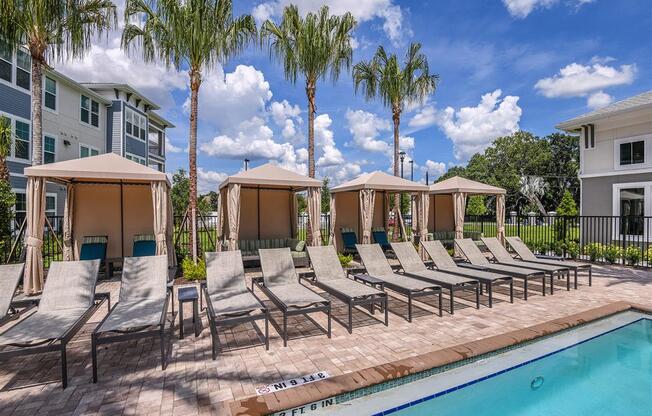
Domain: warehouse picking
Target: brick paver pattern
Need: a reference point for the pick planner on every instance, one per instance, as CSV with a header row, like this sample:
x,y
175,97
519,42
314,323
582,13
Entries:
x,y
132,382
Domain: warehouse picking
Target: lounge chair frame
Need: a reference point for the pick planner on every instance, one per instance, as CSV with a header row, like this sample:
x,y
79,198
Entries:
x,y
524,275
487,282
110,337
56,344
289,310
215,321
553,261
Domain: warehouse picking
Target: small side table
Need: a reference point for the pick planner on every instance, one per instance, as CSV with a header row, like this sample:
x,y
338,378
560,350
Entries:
x,y
188,294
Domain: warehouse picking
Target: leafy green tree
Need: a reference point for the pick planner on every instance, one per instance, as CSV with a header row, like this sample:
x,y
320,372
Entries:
x,y
397,86
52,30
180,192
302,204
561,173
567,205
7,197
313,47
325,196
476,206
190,35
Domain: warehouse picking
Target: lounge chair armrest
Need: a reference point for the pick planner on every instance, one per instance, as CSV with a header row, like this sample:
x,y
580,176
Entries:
x,y
258,280
546,257
165,309
209,304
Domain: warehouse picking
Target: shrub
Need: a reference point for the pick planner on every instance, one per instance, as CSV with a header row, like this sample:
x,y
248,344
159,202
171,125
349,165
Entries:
x,y
612,253
632,255
192,270
557,247
573,249
594,251
345,259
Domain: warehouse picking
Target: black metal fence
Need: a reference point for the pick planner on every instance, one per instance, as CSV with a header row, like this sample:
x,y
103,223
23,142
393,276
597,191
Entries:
x,y
622,240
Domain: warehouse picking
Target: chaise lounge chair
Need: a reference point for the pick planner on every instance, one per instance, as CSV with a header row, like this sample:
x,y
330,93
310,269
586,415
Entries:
x,y
144,245
67,302
141,309
349,240
10,275
502,256
443,261
524,253
228,300
478,260
282,287
378,267
330,276
413,266
380,237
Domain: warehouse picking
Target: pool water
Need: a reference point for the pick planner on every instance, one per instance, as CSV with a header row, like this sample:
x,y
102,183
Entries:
x,y
610,374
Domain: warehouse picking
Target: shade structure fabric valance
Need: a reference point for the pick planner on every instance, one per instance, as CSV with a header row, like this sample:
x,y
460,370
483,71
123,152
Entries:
x,y
105,174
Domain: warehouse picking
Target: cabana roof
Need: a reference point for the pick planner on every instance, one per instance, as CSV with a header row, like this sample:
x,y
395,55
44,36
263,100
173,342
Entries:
x,y
271,176
107,167
458,184
380,181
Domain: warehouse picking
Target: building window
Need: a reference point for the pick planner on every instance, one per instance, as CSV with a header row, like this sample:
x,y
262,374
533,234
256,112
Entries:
x,y
86,151
49,149
6,59
51,205
20,209
23,69
90,111
136,159
21,140
50,94
632,153
135,125
632,209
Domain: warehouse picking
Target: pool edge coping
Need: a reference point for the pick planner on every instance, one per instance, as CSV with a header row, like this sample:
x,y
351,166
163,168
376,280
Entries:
x,y
359,379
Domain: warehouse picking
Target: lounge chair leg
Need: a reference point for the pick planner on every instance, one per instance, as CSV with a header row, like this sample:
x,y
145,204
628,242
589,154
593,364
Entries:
x,y
285,330
162,339
351,318
329,320
511,291
568,280
477,295
590,277
452,308
481,290
267,330
543,284
409,307
525,289
575,279
552,282
441,304
386,310
490,293
64,366
94,356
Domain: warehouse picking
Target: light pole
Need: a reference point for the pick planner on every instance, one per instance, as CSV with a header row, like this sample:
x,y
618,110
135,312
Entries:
x,y
412,196
411,170
246,164
402,156
427,179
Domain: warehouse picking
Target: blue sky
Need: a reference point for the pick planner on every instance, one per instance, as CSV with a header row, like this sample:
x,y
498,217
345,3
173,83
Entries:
x,y
503,66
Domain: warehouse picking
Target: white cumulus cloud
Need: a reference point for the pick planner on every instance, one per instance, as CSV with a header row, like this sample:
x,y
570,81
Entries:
x,y
171,148
365,127
577,80
472,129
392,15
522,8
424,117
599,99
325,143
208,180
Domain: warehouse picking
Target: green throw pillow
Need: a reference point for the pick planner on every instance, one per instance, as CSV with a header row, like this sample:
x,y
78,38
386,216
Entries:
x,y
300,246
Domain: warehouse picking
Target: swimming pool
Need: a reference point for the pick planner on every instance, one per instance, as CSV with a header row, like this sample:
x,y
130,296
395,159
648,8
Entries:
x,y
603,368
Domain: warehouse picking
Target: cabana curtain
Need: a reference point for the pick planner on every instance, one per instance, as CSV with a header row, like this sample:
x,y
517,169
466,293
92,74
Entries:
x,y
423,206
459,207
367,203
331,238
500,217
294,214
386,211
220,219
68,211
233,207
314,215
33,280
159,203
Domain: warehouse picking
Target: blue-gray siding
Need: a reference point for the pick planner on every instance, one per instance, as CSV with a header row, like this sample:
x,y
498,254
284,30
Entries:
x,y
14,101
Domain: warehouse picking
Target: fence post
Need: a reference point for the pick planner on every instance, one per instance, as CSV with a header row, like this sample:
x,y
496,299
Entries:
x,y
565,243
518,225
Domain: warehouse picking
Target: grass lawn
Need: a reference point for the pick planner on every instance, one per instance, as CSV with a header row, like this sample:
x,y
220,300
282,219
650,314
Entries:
x,y
545,233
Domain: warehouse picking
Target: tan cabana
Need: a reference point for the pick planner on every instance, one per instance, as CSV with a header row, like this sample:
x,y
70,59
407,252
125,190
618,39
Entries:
x,y
107,195
448,204
363,204
260,203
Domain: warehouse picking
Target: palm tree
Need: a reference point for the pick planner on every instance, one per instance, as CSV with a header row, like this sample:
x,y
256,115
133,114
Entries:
x,y
52,29
192,34
397,87
314,47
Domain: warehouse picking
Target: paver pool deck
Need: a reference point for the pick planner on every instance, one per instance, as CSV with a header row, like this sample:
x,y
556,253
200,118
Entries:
x,y
132,382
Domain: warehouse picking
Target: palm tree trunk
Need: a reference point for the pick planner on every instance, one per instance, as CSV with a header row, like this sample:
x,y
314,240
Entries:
x,y
396,118
37,110
195,83
310,92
